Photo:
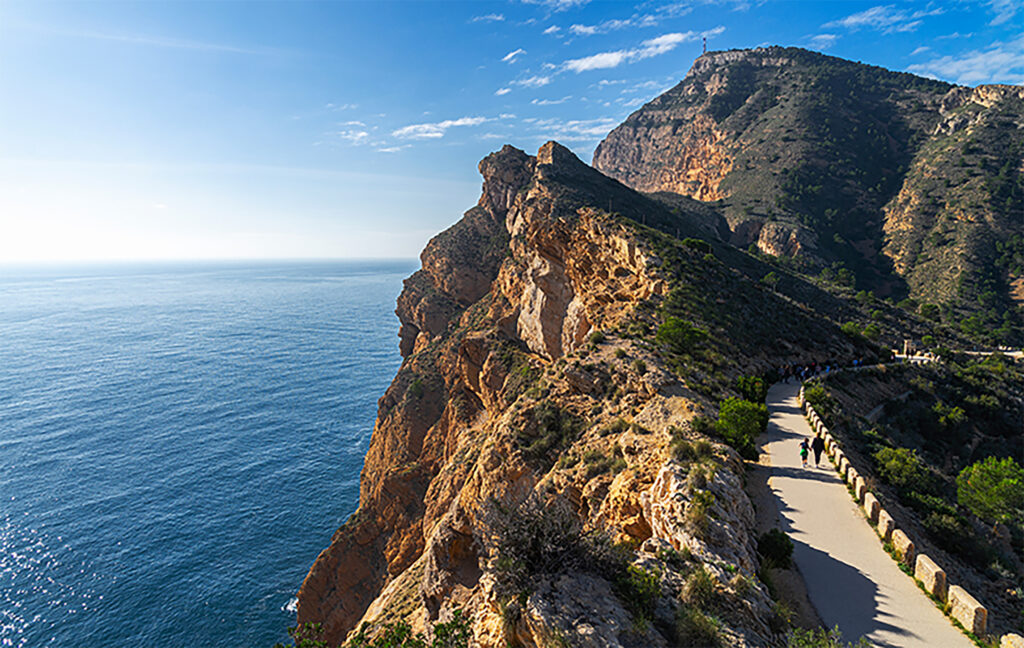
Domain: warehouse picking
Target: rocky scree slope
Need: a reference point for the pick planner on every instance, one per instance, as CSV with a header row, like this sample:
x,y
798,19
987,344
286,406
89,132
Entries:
x,y
532,384
914,185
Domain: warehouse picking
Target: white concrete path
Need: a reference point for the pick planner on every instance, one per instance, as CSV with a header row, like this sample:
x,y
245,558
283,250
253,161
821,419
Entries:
x,y
850,579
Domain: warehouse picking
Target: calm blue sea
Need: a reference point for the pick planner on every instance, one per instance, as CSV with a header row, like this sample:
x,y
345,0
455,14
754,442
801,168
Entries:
x,y
178,442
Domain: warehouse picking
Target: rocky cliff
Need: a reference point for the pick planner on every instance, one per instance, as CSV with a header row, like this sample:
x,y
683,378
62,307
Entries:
x,y
908,183
535,401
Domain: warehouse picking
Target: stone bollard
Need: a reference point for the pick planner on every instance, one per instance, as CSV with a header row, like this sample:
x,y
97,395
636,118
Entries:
x,y
860,488
1012,641
966,609
851,476
931,576
886,525
871,507
904,547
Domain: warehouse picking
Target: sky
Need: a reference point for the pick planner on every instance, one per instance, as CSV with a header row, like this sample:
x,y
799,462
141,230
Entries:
x,y
155,130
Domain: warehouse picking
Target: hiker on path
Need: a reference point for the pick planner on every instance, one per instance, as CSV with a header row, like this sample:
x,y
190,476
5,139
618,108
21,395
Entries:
x,y
818,445
803,453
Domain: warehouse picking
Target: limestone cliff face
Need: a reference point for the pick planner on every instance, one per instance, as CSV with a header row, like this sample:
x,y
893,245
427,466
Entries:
x,y
963,193
908,182
495,336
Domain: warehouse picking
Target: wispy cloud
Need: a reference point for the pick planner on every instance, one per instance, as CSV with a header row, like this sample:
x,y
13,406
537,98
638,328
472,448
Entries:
x,y
823,41
393,149
885,18
558,5
1005,10
651,19
648,49
151,40
536,81
998,63
513,55
489,18
553,29
920,50
585,130
502,91
550,102
601,28
436,129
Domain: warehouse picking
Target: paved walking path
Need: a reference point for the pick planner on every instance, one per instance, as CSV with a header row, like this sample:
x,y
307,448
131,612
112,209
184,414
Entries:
x,y
850,579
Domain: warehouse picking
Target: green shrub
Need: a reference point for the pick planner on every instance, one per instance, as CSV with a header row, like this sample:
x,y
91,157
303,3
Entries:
x,y
452,634
620,354
550,428
821,638
872,331
597,337
638,589
850,329
678,335
992,489
697,244
694,629
776,548
930,311
904,469
699,588
698,511
740,422
416,388
752,388
618,426
307,635
598,463
640,366
818,397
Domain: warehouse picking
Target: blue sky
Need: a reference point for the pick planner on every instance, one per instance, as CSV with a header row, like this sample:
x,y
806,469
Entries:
x,y
162,130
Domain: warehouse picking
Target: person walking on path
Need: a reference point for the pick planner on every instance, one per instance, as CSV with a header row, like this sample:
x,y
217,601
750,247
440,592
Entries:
x,y
803,453
818,445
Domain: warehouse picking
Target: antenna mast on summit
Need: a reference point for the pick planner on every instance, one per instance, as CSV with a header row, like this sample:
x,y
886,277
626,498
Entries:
x,y
705,45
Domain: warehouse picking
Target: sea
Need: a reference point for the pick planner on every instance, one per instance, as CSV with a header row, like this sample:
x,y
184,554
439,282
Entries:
x,y
179,441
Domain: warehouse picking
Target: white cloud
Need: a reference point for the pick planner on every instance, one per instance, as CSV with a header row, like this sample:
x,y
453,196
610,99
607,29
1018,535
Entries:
x,y
648,48
553,29
586,130
558,5
886,18
437,129
393,149
353,135
550,102
489,18
998,63
920,50
1005,10
823,41
502,91
513,55
533,82
507,116
340,107
583,30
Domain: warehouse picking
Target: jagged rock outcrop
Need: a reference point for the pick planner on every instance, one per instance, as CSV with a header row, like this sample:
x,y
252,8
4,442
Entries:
x,y
496,334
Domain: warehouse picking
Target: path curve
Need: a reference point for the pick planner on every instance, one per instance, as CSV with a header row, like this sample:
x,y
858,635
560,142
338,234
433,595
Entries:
x,y
850,579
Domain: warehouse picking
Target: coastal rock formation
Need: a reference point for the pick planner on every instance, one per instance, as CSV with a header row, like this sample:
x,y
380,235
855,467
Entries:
x,y
508,393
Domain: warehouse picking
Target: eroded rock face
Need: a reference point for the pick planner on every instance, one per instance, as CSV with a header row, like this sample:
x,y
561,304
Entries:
x,y
486,343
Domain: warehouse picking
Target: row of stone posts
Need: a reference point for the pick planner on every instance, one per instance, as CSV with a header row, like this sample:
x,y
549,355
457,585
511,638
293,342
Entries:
x,y
963,607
